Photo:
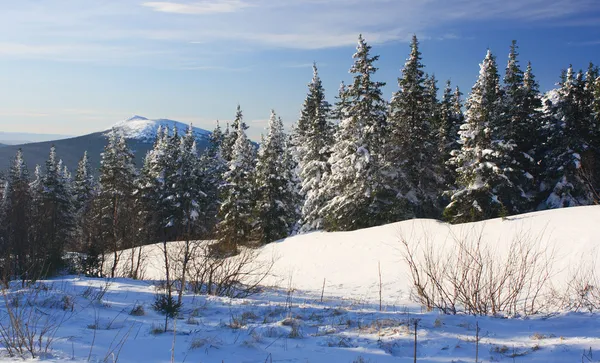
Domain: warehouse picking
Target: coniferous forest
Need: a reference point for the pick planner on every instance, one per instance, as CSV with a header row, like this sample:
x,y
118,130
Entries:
x,y
358,161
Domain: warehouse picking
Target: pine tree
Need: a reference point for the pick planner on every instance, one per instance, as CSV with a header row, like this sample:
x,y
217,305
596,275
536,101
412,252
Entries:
x,y
115,197
412,118
313,139
271,209
237,200
355,184
479,163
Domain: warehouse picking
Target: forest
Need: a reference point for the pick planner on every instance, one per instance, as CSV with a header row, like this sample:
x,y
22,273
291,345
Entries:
x,y
357,162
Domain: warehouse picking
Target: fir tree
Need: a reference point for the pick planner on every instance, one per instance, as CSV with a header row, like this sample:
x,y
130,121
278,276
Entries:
x,y
479,163
235,213
212,167
19,254
271,209
56,218
115,197
451,117
84,185
231,134
569,170
313,139
355,183
412,117
521,110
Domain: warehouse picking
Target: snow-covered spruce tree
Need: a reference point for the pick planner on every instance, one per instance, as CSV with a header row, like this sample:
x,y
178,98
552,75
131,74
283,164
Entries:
x,y
271,211
212,167
571,138
190,200
591,157
432,105
451,117
55,217
237,197
18,254
481,178
115,197
84,185
313,139
415,176
295,199
355,183
521,129
231,134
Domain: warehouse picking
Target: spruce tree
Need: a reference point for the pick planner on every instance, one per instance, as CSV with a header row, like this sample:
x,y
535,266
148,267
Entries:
x,y
237,197
412,117
19,255
56,217
569,170
313,139
481,178
212,167
84,185
521,110
355,184
116,201
451,117
271,209
231,134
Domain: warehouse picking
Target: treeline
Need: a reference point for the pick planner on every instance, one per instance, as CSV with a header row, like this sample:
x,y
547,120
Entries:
x,y
360,162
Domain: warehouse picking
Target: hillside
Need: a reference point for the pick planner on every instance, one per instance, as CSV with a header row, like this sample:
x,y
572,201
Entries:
x,y
138,130
348,261
288,320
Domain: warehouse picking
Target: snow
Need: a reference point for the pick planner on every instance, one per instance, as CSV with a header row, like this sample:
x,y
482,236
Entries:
x,y
347,324
144,129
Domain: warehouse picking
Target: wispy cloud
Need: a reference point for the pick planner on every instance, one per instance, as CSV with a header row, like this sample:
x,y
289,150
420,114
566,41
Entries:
x,y
169,33
198,7
586,43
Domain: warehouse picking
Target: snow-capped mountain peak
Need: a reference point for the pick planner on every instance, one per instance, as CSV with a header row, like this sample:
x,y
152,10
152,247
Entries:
x,y
144,129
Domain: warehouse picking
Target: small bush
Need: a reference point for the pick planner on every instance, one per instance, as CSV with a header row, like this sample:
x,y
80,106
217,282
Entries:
x,y
167,305
156,330
138,310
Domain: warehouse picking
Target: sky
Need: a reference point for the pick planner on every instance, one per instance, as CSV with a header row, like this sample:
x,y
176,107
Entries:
x,y
79,66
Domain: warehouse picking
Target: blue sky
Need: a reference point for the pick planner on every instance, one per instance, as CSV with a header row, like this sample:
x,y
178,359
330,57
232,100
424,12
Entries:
x,y
79,66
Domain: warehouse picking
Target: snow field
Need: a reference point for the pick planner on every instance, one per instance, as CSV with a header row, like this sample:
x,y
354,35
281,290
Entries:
x,y
288,322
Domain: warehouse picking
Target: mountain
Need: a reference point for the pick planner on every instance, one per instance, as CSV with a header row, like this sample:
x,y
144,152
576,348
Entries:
x,y
138,130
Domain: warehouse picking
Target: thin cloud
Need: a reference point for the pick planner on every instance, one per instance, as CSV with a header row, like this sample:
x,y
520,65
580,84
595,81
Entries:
x,y
199,7
166,34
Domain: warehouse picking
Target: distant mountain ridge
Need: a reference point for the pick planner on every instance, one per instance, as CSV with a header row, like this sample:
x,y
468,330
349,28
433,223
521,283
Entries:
x,y
139,131
143,129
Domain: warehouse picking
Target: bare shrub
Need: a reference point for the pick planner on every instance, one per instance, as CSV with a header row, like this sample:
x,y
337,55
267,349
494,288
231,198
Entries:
x,y
470,277
26,331
582,292
234,276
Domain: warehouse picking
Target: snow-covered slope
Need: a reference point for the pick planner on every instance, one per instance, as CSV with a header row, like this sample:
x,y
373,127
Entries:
x,y
143,129
113,320
349,261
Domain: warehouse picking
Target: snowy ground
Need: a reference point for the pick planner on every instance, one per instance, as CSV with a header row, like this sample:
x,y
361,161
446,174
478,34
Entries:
x,y
292,325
